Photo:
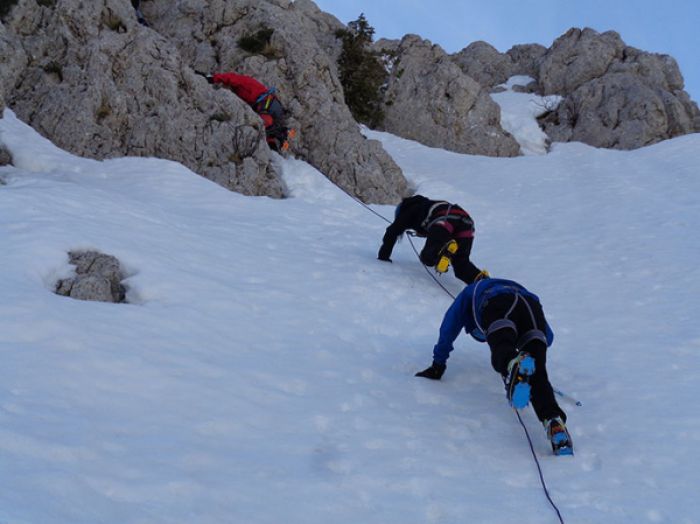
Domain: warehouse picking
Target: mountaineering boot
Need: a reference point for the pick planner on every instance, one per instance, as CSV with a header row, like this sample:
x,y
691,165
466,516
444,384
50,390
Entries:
x,y
559,436
284,148
520,369
445,254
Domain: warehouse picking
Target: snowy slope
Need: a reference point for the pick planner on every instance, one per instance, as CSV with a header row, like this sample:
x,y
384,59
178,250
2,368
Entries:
x,y
263,372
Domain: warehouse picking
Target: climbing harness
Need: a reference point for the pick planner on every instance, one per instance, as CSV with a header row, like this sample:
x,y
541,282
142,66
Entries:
x,y
441,213
262,103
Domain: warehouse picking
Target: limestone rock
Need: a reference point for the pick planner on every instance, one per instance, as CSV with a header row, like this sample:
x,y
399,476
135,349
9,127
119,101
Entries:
x,y
484,63
98,277
615,96
526,59
296,62
98,84
431,100
5,156
386,45
13,60
577,57
323,26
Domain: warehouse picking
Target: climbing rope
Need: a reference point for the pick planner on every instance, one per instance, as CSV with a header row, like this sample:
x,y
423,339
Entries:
x,y
432,275
527,433
364,205
539,468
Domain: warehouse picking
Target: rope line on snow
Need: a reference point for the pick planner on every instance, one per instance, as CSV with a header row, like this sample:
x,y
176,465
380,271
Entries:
x,y
364,205
517,413
539,468
432,275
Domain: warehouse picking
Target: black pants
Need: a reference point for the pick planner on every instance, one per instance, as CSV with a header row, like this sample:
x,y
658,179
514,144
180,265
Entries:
x,y
437,239
277,132
526,314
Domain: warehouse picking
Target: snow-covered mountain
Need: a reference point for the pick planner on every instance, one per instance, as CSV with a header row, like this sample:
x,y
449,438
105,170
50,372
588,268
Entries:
x,y
262,371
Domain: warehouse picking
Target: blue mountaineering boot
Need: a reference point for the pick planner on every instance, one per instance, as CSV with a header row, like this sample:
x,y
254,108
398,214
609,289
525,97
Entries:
x,y
559,436
520,369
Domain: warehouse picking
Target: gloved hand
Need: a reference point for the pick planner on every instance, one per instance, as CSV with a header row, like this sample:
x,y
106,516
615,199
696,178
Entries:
x,y
384,254
208,76
435,371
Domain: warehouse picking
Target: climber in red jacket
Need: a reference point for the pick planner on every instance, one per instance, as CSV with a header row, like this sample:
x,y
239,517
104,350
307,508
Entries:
x,y
263,101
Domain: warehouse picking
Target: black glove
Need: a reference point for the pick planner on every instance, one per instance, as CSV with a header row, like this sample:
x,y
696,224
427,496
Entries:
x,y
435,371
384,254
208,76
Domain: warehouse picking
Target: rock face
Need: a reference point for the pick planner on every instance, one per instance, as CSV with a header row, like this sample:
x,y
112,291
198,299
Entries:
x,y
431,100
526,59
485,64
577,57
13,60
98,277
100,85
296,62
615,96
93,80
323,27
5,157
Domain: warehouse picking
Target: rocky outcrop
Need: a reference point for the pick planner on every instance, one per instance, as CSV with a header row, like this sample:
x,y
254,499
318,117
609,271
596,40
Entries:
x,y
431,100
93,80
526,59
295,61
323,26
100,85
485,64
577,57
615,96
13,60
5,157
137,93
97,277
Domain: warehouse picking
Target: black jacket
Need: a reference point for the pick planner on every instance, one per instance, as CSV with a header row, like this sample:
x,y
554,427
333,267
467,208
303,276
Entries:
x,y
419,214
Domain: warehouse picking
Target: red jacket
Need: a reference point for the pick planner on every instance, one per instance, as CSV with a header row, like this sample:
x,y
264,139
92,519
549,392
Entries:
x,y
245,87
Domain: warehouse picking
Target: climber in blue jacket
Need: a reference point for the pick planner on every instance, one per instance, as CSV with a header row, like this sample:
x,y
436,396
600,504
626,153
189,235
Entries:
x,y
510,319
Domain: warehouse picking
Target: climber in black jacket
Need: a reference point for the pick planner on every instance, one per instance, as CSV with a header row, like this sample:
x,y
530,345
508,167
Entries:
x,y
440,222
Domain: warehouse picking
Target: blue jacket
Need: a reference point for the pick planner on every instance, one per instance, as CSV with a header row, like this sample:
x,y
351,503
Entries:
x,y
466,312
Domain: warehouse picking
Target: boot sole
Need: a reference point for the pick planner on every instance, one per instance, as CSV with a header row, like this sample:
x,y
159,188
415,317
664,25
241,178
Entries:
x,y
520,397
567,450
560,439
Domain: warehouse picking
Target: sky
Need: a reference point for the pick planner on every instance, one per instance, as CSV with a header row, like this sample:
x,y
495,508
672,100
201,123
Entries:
x,y
262,371
653,26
